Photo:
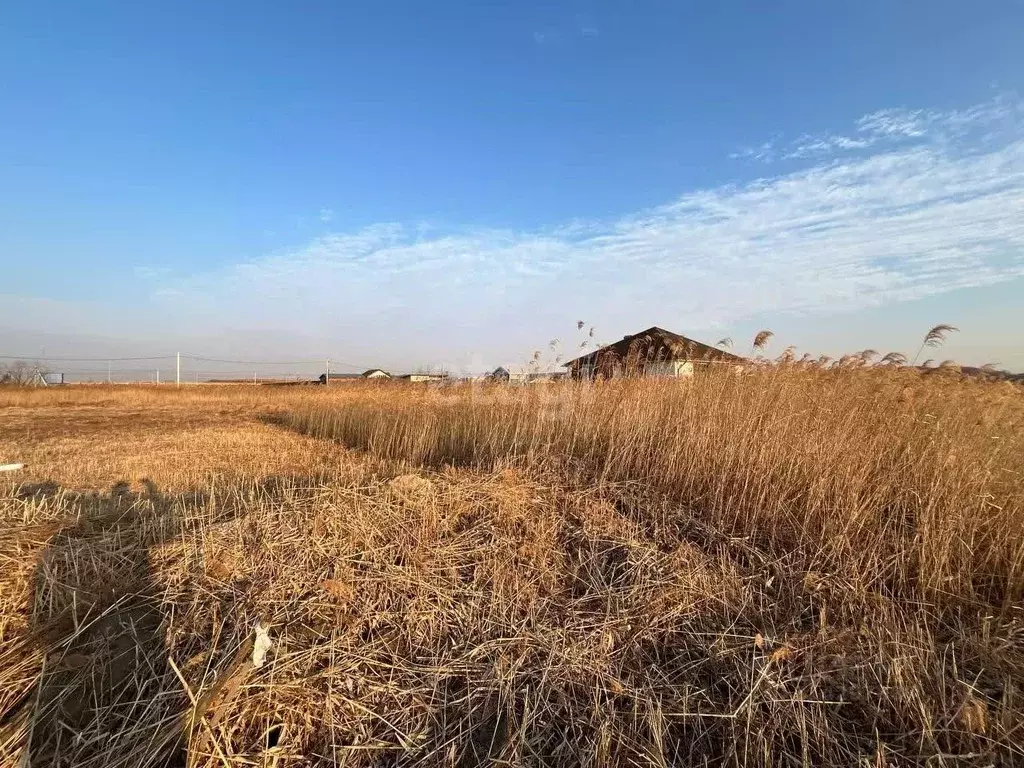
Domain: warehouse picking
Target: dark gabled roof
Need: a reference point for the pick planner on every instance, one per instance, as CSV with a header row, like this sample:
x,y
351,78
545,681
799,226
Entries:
x,y
658,344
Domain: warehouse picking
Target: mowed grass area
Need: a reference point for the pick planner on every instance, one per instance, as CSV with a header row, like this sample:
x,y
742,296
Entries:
x,y
789,567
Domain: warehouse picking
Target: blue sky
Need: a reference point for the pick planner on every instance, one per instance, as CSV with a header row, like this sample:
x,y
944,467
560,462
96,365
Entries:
x,y
457,183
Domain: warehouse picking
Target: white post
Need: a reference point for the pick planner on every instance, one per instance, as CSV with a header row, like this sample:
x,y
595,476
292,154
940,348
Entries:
x,y
157,375
177,369
108,371
254,378
327,380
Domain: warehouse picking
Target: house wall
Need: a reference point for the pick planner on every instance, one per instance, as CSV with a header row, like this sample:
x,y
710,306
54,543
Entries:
x,y
377,375
671,368
676,368
682,368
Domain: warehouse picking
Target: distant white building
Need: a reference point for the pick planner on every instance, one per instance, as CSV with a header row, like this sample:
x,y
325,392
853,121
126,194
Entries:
x,y
421,377
376,373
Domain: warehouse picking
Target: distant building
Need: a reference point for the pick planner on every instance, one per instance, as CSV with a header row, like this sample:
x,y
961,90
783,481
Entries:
x,y
519,376
654,352
340,377
379,374
419,377
508,376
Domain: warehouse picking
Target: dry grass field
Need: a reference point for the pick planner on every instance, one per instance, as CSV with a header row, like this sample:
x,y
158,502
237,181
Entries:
x,y
789,567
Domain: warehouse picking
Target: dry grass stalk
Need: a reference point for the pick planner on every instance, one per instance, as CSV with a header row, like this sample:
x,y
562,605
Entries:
x,y
794,566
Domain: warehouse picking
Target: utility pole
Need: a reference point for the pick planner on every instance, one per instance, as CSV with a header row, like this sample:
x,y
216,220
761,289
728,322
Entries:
x,y
108,371
177,369
327,378
157,375
254,378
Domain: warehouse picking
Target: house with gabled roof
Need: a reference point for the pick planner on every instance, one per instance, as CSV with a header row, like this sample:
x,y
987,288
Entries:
x,y
653,352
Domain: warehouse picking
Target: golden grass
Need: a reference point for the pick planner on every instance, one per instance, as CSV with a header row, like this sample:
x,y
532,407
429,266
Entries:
x,y
904,484
787,567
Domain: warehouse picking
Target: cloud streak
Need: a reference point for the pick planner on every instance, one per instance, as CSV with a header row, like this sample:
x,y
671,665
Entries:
x,y
912,204
1000,116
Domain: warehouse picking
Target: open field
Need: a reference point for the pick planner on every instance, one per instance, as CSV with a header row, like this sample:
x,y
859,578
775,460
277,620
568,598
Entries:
x,y
790,567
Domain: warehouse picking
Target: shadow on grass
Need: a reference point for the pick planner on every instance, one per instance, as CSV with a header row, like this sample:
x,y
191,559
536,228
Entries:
x,y
90,680
102,696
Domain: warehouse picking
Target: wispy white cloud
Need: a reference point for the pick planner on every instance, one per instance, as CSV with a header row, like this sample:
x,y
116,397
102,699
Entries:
x,y
932,210
326,215
890,127
908,204
812,146
895,123
764,153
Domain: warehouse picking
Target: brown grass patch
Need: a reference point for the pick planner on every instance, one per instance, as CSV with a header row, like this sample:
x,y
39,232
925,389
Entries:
x,y
791,567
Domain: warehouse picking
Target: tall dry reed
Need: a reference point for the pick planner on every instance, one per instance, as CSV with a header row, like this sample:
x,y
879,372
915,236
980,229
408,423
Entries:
x,y
903,483
788,567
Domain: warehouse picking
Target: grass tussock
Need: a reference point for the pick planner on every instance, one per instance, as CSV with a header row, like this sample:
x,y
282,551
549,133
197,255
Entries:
x,y
790,567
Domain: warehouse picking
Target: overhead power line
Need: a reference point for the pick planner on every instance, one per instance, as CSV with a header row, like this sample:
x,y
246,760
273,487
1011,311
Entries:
x,y
318,361
43,359
195,358
252,362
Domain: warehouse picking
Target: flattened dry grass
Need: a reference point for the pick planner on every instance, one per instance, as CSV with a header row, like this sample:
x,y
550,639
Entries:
x,y
791,567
